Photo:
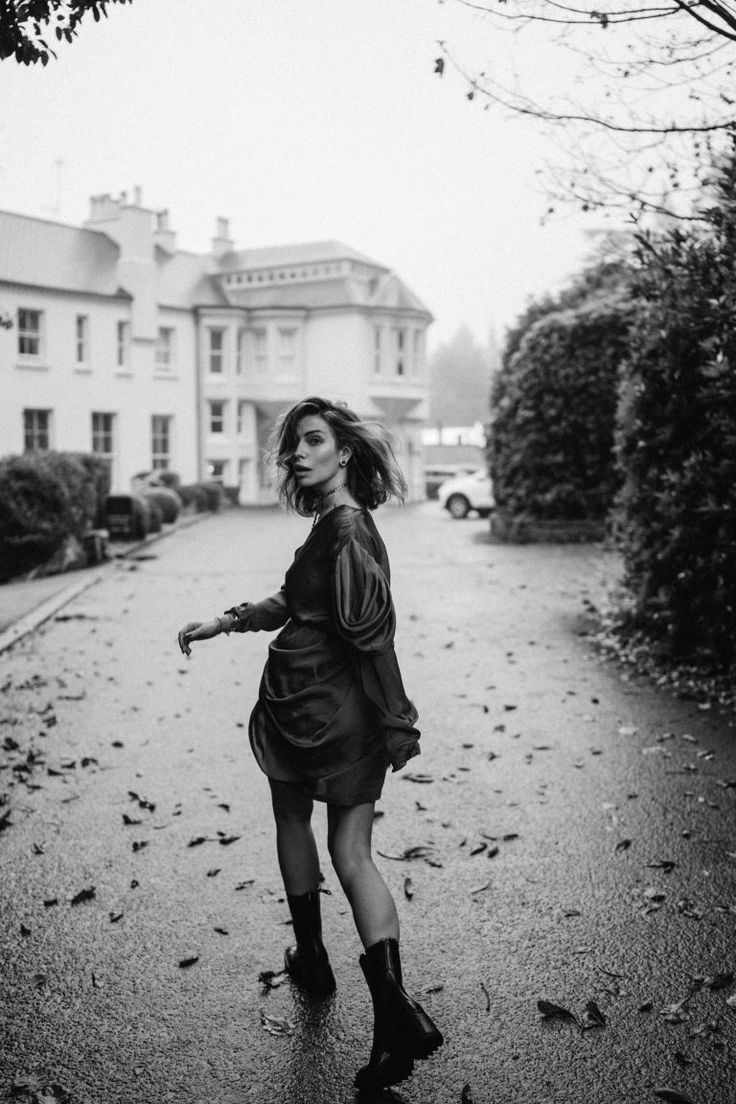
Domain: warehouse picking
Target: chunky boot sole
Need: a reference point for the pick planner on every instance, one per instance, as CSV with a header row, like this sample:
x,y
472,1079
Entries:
x,y
314,975
389,1069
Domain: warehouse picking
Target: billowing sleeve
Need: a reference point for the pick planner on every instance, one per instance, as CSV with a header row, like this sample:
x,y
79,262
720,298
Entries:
x,y
365,618
268,614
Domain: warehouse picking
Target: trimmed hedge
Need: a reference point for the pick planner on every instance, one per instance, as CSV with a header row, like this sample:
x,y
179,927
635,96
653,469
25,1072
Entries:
x,y
45,498
553,414
677,440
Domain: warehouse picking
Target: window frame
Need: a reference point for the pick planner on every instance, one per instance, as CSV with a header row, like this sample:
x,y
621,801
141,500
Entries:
x,y
216,355
27,333
161,436
34,431
212,403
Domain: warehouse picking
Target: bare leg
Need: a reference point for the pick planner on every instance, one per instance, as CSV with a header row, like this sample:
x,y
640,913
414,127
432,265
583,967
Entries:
x,y
349,830
295,843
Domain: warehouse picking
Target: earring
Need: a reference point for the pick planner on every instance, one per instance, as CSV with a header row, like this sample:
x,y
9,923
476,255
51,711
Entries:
x,y
343,463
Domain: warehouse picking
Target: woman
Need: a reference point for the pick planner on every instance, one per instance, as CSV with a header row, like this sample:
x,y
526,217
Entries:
x,y
332,712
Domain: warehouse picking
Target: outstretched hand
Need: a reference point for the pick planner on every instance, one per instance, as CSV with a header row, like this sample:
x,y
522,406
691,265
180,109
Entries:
x,y
196,630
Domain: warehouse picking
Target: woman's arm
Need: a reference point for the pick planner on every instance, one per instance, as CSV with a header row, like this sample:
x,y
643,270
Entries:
x,y
271,613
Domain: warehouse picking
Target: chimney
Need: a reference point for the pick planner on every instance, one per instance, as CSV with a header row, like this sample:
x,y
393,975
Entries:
x,y
222,243
163,236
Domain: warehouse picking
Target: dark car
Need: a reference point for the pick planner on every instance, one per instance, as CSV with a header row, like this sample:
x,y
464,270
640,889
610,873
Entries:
x,y
130,517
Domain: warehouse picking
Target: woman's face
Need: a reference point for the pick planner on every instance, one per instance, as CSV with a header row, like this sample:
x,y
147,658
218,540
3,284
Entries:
x,y
316,457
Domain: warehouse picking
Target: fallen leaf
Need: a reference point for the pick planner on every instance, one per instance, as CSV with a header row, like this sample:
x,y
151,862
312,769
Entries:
x,y
273,978
673,1096
592,1017
226,840
408,891
276,1025
83,895
552,1011
466,1096
623,845
185,963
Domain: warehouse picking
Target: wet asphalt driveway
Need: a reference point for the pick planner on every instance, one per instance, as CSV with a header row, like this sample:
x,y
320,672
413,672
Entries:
x,y
567,835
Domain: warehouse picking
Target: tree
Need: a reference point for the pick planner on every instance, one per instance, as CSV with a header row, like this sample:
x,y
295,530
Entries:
x,y
460,381
643,107
28,26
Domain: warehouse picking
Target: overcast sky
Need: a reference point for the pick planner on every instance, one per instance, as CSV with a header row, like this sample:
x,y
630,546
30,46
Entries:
x,y
300,120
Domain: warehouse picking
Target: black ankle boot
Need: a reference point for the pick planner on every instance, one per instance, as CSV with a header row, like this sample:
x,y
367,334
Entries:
x,y
307,963
402,1030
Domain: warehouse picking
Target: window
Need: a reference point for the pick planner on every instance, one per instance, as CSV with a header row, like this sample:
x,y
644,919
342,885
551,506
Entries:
x,y
400,342
260,341
242,408
82,338
164,348
216,353
103,438
160,441
377,350
36,430
217,416
217,469
287,351
29,332
123,344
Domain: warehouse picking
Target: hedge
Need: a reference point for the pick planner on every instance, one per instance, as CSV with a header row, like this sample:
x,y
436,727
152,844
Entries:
x,y
677,440
553,413
45,498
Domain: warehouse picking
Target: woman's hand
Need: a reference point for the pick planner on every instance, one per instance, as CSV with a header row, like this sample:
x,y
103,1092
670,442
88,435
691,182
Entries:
x,y
197,630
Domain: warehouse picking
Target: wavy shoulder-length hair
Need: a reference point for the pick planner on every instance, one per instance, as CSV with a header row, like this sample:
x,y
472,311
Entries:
x,y
372,473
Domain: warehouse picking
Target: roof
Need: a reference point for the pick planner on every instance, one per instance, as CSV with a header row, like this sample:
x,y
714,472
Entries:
x,y
272,256
46,254
385,292
54,255
184,281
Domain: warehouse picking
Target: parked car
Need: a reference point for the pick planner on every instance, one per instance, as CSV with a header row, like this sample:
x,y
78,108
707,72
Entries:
x,y
436,474
130,517
464,493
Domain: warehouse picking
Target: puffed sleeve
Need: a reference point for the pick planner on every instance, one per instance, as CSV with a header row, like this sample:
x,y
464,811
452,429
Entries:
x,y
268,614
365,618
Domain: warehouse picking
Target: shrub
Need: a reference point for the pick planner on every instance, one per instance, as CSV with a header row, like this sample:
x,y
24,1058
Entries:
x,y
44,499
194,495
553,413
677,440
168,502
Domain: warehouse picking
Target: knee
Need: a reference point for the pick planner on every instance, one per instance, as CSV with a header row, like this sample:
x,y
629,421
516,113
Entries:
x,y
350,865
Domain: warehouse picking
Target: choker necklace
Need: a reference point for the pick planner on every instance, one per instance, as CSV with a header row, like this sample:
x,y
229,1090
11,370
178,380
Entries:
x,y
339,487
326,494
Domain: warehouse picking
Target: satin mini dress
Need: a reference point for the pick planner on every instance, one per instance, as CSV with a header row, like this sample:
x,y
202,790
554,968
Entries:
x,y
332,712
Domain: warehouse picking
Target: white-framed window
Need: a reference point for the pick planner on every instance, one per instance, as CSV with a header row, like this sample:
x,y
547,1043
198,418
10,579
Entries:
x,y
242,408
242,352
218,469
81,334
377,343
216,351
36,430
400,351
217,415
165,348
287,351
122,358
160,441
103,437
260,350
30,332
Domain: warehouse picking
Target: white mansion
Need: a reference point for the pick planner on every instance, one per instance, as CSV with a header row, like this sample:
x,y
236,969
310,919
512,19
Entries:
x,y
156,358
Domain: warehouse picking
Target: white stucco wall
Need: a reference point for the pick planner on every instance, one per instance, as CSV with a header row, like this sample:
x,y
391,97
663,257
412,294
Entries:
x,y
72,391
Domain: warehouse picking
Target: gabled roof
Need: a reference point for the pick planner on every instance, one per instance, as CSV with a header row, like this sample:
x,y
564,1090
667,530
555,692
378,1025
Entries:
x,y
55,255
